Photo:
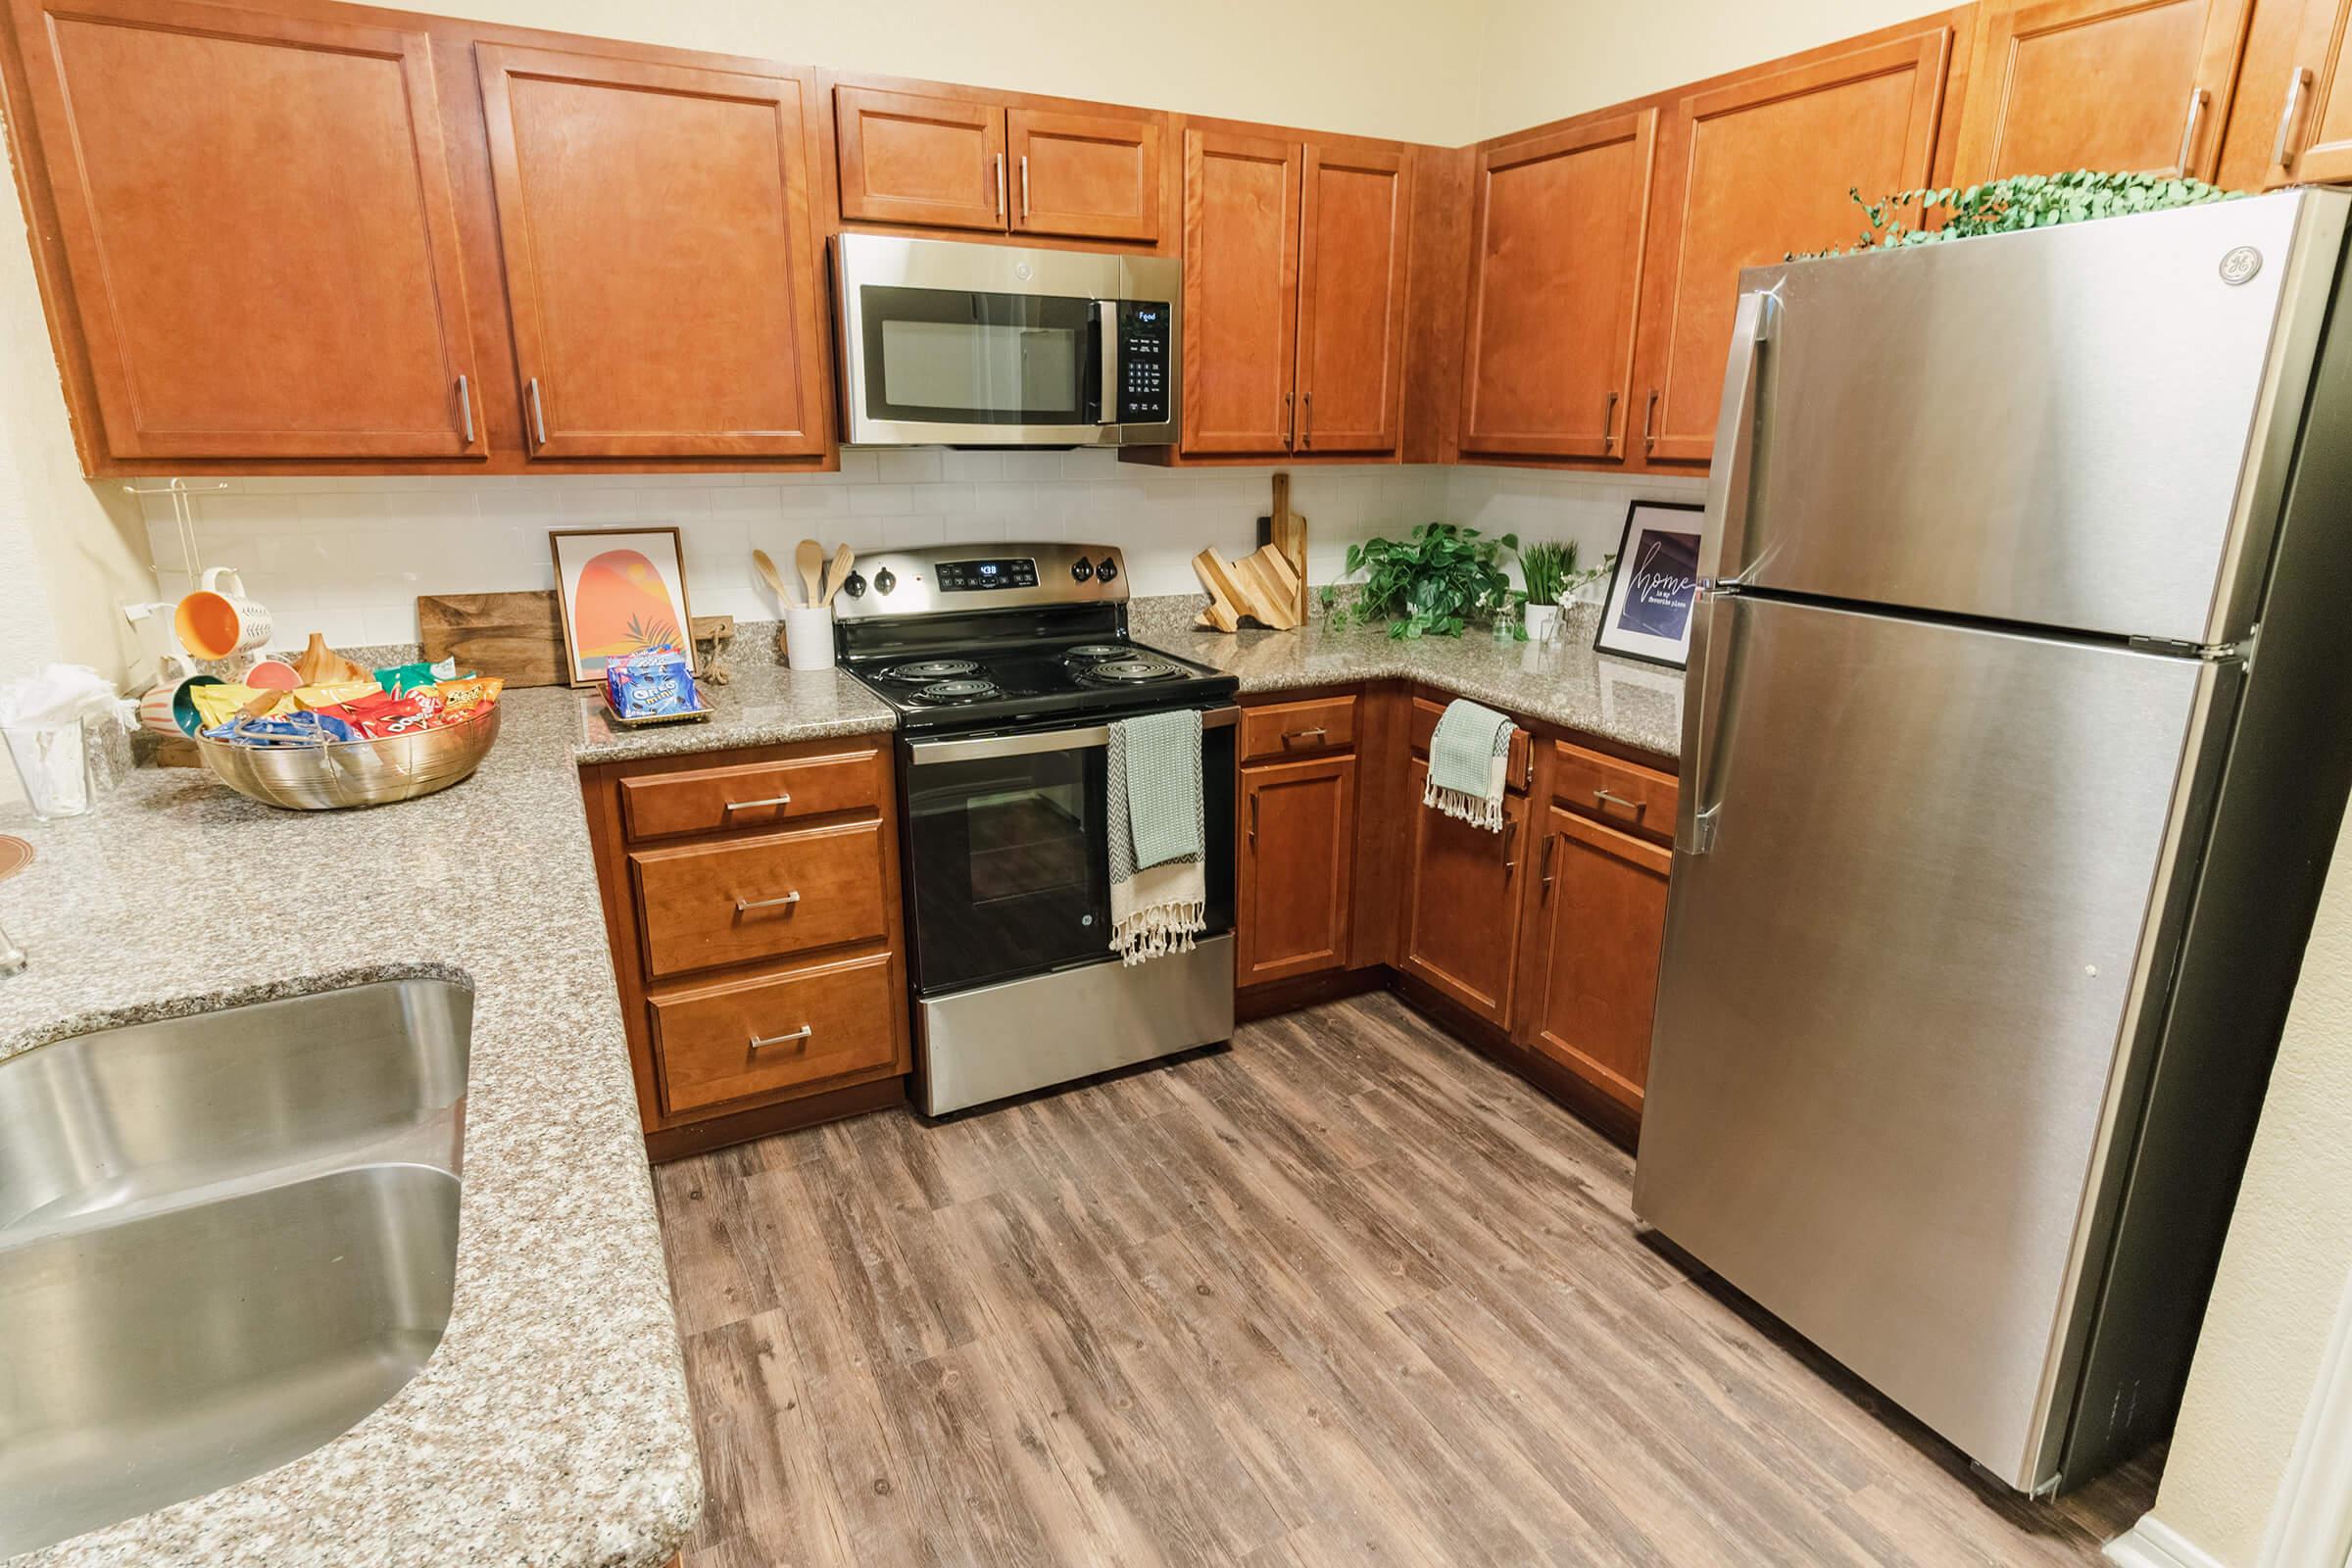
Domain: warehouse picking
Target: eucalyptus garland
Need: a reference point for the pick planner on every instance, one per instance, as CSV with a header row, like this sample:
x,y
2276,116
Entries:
x,y
2020,202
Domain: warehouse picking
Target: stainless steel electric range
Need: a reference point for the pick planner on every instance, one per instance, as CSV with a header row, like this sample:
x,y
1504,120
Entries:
x,y
1006,663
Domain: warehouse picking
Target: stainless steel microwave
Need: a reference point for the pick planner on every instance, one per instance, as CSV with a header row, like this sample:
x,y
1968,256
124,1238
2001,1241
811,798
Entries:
x,y
944,343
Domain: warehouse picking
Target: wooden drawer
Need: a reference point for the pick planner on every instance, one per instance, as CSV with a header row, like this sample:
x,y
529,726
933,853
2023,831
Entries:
x,y
1517,776
752,795
818,1023
1625,795
702,905
1282,730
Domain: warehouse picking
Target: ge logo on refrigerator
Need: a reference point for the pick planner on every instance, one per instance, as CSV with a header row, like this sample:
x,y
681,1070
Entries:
x,y
2241,264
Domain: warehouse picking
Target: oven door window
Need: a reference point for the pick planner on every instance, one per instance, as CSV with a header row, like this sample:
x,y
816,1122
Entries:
x,y
1010,871
954,357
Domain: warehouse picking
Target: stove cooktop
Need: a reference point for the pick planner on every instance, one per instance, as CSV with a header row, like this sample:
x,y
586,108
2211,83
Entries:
x,y
972,686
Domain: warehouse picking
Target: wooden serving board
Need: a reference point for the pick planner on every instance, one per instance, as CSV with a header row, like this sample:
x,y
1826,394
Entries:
x,y
516,636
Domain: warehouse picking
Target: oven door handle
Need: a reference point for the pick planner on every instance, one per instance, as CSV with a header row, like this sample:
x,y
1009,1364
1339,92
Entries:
x,y
923,754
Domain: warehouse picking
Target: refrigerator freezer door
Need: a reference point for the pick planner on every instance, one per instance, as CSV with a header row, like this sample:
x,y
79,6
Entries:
x,y
1894,984
2082,427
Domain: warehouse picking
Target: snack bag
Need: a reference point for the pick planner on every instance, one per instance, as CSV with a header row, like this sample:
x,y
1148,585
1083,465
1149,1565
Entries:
x,y
401,678
216,705
381,714
652,683
467,697
332,692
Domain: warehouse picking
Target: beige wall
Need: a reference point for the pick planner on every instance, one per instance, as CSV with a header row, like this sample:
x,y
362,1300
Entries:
x,y
1369,68
1543,59
2283,1269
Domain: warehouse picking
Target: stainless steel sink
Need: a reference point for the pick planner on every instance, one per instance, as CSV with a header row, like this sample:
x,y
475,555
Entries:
x,y
223,1239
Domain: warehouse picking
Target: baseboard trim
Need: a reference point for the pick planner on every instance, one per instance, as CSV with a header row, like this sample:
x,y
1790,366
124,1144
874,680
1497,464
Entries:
x,y
2153,1543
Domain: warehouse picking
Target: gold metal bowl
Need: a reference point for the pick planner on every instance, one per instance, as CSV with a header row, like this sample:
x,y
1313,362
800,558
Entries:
x,y
347,773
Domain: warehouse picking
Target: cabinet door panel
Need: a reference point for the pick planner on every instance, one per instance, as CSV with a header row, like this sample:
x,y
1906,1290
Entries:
x,y
1750,171
1092,176
1592,979
1240,291
256,213
660,262
2290,120
2109,84
1351,293
1297,855
916,158
1556,244
1462,901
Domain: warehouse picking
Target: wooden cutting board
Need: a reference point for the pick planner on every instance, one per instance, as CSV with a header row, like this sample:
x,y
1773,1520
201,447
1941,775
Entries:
x,y
516,636
1285,531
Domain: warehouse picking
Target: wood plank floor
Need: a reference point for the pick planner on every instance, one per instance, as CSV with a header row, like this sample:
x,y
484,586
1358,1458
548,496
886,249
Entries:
x,y
1346,1293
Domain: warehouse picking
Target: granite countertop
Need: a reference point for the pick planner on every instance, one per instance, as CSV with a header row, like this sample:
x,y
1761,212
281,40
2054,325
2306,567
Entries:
x,y
1622,700
551,1426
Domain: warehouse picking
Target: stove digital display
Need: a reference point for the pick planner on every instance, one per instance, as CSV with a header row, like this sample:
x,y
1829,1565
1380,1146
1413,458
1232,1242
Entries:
x,y
1009,571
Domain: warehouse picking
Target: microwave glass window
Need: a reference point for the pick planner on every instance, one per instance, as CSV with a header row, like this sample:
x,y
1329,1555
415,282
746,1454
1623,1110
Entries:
x,y
959,357
936,365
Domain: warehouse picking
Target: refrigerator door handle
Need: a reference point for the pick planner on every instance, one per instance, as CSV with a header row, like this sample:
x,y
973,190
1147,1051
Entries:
x,y
1702,713
1725,537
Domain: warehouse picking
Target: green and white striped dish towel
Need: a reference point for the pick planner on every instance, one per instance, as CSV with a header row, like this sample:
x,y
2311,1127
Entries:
x,y
1159,888
1469,754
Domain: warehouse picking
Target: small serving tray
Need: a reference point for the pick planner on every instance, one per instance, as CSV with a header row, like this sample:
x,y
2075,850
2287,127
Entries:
x,y
649,720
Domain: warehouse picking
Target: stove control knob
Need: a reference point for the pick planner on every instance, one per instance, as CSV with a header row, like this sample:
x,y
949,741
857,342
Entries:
x,y
1106,568
854,585
884,582
1080,570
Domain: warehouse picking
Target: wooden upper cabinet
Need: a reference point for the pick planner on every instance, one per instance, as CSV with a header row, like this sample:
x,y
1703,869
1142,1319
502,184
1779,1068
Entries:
x,y
2290,118
917,159
1240,286
2105,85
1088,176
1356,232
1751,171
256,215
660,264
1557,229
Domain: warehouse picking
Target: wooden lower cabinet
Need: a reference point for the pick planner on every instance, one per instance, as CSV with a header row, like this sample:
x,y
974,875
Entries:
x,y
1461,925
752,906
1590,969
1298,863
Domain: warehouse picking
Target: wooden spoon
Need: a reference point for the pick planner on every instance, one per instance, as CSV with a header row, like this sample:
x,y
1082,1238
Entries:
x,y
809,560
838,573
773,578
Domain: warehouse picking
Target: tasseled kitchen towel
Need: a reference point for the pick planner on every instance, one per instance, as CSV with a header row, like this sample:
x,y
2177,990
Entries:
x,y
1158,889
1469,756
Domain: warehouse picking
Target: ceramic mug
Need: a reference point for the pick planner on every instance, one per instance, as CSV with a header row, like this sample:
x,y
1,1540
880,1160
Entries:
x,y
217,620
170,708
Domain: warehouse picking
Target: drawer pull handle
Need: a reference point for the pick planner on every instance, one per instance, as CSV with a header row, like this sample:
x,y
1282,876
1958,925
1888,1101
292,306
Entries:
x,y
804,1032
1290,735
1604,797
745,906
751,805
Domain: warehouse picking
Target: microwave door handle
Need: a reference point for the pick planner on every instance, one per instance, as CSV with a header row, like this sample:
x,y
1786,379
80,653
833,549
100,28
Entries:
x,y
1107,330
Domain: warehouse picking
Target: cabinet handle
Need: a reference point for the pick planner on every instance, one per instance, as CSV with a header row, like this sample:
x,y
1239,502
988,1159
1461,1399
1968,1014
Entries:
x,y
1024,184
1290,424
1307,439
1253,820
1511,837
999,168
745,906
1552,843
804,1032
465,409
1649,414
2286,117
538,408
2189,132
1608,422
1604,797
1290,735
746,806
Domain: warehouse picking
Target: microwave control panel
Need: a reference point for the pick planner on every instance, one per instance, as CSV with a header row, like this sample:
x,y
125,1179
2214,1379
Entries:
x,y
1142,362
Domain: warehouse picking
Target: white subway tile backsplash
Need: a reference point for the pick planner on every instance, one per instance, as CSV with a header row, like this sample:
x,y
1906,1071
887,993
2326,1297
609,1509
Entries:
x,y
348,557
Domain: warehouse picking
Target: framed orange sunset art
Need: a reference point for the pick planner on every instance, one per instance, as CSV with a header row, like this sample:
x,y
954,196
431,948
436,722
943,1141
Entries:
x,y
622,591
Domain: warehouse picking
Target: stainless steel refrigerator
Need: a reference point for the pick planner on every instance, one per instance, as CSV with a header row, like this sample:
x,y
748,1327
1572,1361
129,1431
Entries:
x,y
2015,743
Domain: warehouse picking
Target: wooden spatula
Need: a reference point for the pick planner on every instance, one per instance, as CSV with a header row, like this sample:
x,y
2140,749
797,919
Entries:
x,y
769,573
809,560
837,574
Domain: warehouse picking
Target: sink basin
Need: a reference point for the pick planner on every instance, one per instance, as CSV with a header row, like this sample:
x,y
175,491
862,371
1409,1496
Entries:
x,y
223,1239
